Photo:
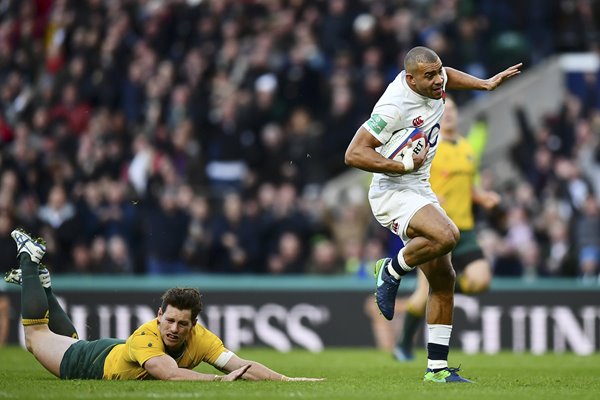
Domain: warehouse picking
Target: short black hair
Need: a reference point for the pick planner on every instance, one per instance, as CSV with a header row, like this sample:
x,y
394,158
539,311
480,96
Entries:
x,y
419,55
183,299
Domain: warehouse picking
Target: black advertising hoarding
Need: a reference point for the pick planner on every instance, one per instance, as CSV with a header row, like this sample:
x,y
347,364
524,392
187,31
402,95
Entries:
x,y
537,321
310,320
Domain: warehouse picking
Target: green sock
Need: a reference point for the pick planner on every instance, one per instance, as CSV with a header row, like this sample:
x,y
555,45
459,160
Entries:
x,y
412,323
59,323
34,303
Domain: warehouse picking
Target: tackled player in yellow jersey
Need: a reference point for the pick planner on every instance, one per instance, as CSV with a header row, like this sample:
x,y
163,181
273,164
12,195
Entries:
x,y
125,361
165,348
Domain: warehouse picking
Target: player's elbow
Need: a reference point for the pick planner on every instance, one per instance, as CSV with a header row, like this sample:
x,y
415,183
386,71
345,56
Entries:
x,y
170,375
350,158
28,344
445,240
161,373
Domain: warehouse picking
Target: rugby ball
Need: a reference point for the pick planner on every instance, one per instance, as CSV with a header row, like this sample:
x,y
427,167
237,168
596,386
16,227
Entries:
x,y
397,147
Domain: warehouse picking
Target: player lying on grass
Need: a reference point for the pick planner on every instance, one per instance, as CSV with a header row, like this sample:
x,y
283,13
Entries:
x,y
166,348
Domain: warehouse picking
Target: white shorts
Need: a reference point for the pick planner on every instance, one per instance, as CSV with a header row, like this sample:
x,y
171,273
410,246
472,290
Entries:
x,y
394,208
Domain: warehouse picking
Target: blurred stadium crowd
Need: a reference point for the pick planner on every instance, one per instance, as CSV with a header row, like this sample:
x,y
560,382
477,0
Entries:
x,y
196,136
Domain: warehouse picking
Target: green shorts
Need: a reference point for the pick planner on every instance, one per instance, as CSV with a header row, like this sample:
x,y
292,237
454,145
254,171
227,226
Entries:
x,y
466,251
85,359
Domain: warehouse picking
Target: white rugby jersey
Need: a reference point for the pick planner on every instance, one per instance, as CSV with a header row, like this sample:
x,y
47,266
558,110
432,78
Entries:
x,y
400,107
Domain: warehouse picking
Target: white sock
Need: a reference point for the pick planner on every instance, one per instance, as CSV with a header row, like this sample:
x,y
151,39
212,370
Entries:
x,y
392,271
438,334
403,263
437,364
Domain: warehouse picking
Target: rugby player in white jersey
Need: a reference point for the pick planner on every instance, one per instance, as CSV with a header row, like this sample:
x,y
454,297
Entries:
x,y
405,204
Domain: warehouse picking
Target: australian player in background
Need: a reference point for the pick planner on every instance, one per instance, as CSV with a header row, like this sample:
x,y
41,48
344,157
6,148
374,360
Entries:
x,y
453,179
401,197
165,348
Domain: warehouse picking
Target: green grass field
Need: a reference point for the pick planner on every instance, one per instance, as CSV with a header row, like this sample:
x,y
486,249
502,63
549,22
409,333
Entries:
x,y
350,373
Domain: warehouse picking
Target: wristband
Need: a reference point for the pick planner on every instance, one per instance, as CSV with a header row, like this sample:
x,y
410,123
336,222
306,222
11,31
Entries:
x,y
284,378
408,162
217,378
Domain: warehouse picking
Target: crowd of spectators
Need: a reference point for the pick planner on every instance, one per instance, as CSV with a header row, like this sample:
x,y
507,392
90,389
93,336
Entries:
x,y
549,224
145,136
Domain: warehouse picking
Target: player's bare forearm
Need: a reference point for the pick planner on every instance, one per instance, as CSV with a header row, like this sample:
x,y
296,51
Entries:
x,y
369,160
361,154
255,372
485,199
461,80
182,374
259,372
166,369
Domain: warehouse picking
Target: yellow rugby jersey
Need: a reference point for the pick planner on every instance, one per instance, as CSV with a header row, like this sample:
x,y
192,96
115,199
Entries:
x,y
452,176
125,361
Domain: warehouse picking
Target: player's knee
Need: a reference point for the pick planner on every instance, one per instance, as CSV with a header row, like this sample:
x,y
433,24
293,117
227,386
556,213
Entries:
x,y
28,343
481,286
475,285
32,336
418,302
447,240
477,277
443,280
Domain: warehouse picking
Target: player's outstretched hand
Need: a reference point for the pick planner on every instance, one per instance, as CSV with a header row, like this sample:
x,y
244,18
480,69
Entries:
x,y
488,199
235,374
292,379
419,159
496,80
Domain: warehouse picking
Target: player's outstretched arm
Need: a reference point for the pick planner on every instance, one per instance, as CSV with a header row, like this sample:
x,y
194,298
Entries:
x,y
259,372
485,198
461,80
165,368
